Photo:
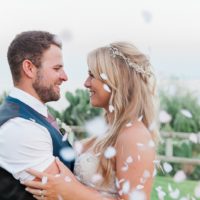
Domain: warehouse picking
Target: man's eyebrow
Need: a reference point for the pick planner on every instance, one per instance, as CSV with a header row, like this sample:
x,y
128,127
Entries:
x,y
60,66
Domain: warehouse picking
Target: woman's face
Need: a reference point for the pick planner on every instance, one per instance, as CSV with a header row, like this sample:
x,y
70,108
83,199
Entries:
x,y
99,97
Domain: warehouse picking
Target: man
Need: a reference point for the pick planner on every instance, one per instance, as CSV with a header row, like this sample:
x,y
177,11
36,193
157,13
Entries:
x,y
27,137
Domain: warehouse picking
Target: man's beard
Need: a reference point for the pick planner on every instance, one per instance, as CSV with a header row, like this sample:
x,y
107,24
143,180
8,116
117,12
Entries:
x,y
45,93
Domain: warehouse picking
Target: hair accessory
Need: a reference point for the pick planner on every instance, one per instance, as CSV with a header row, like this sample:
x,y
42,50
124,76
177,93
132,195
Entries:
x,y
115,52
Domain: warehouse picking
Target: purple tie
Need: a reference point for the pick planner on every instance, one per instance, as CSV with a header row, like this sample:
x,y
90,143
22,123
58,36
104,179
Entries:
x,y
52,121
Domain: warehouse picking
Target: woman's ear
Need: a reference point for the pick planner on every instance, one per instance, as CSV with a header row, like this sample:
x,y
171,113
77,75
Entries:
x,y
28,68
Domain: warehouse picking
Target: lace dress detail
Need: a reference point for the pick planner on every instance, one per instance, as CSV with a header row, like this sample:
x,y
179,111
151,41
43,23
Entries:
x,y
85,169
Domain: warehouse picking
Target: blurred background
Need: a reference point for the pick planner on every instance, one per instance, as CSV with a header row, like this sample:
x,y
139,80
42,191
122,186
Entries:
x,y
167,31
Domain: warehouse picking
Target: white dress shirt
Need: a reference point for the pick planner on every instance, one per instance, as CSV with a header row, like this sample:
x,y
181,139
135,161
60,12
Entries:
x,y
24,143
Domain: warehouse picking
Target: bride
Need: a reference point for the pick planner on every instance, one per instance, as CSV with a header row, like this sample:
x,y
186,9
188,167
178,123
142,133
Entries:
x,y
119,164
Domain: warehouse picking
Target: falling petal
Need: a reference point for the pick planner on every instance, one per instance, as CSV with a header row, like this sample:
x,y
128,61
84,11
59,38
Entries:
x,y
175,194
164,117
78,147
110,152
139,187
129,159
186,113
44,180
140,118
140,145
68,179
152,126
111,108
193,138
126,187
154,172
67,154
137,195
139,157
179,176
125,168
151,143
197,191
65,136
106,88
60,197
167,167
129,124
103,76
96,126
96,178
146,174
147,16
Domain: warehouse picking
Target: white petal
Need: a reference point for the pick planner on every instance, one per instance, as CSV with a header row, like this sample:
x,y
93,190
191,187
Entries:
x,y
193,138
186,113
129,159
140,118
126,187
65,136
68,179
197,191
67,154
137,195
78,147
96,126
96,178
110,152
179,176
103,76
167,167
106,88
151,143
44,180
111,108
164,117
129,124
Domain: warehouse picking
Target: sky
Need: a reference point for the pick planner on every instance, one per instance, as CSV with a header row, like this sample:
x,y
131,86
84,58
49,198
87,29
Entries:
x,y
168,31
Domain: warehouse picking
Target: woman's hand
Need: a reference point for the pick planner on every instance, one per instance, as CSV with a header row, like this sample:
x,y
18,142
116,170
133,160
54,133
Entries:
x,y
51,186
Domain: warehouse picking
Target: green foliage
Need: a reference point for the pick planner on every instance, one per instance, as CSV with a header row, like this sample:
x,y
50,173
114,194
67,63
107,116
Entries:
x,y
2,97
78,111
173,104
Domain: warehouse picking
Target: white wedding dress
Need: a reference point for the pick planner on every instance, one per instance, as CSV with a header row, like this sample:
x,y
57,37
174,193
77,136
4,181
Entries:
x,y
85,169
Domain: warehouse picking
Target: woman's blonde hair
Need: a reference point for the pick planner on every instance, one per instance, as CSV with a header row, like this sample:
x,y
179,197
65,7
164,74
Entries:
x,y
133,92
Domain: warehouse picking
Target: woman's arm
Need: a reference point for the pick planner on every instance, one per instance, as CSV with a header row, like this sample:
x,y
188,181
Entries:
x,y
135,162
63,186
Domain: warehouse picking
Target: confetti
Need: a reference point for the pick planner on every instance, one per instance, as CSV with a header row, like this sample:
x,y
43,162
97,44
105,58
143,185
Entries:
x,y
137,195
44,180
129,124
110,152
167,167
68,179
103,76
106,88
186,113
96,126
67,154
111,108
164,117
179,176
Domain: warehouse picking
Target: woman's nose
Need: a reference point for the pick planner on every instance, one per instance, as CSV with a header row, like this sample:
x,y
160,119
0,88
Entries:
x,y
87,82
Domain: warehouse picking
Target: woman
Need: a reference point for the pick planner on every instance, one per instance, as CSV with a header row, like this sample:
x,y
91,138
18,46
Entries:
x,y
122,160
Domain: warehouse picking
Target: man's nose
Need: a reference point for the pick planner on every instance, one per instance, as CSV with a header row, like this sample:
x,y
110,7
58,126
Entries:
x,y
63,76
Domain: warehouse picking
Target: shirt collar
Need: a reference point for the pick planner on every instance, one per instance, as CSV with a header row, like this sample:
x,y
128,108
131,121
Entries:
x,y
29,100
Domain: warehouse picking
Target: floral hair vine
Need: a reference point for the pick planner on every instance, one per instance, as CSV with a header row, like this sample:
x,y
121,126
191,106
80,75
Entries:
x,y
115,52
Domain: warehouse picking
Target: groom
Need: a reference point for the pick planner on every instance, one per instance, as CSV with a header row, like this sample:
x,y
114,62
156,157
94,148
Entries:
x,y
27,137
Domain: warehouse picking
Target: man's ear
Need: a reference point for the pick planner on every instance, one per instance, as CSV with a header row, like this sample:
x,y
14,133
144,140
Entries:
x,y
28,68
